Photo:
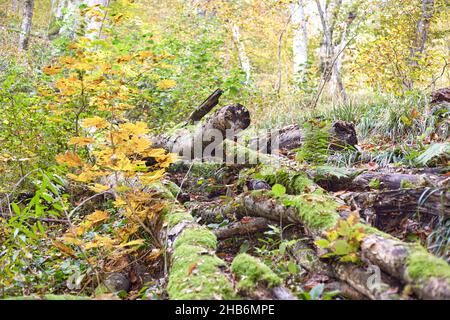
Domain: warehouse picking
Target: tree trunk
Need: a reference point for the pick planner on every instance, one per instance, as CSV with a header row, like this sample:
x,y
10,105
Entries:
x,y
428,275
26,24
421,36
15,6
94,23
195,270
206,140
243,58
342,134
300,41
385,210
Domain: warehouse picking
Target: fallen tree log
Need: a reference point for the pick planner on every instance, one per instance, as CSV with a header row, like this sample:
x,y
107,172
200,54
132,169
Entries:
x,y
355,276
379,208
205,107
205,140
360,279
195,271
391,181
258,281
342,134
243,227
428,275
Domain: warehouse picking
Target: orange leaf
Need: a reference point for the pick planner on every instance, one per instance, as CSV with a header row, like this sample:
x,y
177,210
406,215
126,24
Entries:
x,y
192,267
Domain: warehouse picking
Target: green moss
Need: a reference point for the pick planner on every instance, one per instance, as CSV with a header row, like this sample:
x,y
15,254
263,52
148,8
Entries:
x,y
197,236
177,216
374,184
406,184
295,183
315,210
422,265
172,187
195,275
250,271
371,230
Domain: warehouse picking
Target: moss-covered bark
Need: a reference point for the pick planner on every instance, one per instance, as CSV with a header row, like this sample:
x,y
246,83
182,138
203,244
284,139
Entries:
x,y
318,213
196,273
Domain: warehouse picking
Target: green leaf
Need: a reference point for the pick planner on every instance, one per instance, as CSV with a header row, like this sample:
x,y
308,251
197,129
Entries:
x,y
292,267
322,243
316,291
278,190
15,208
341,247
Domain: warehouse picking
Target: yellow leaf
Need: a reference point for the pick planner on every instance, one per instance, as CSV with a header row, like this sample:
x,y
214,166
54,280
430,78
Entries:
x,y
98,188
149,178
80,141
69,158
64,249
97,216
134,128
137,242
51,70
124,58
97,122
166,84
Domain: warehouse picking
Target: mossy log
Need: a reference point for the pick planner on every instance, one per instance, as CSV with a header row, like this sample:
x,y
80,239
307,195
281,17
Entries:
x,y
319,213
190,143
258,281
342,134
196,273
392,181
355,281
242,228
385,209
354,275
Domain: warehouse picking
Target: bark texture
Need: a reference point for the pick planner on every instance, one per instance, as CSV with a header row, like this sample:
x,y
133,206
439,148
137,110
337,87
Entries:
x,y
291,137
205,140
26,24
398,259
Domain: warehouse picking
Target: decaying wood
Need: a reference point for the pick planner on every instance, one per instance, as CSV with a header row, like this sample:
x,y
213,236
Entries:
x,y
391,181
191,143
389,207
382,252
242,228
205,107
291,137
178,290
440,96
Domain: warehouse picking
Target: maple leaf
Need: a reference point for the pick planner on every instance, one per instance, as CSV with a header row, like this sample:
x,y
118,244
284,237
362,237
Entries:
x,y
70,159
98,188
134,128
166,84
151,177
64,249
52,70
97,216
80,141
97,122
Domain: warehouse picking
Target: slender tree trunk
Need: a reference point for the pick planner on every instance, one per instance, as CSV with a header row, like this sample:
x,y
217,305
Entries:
x,y
243,58
423,25
95,23
300,41
15,6
26,24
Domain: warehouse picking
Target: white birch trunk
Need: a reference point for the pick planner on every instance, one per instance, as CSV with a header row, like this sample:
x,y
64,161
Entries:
x,y
26,24
300,41
94,24
243,58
